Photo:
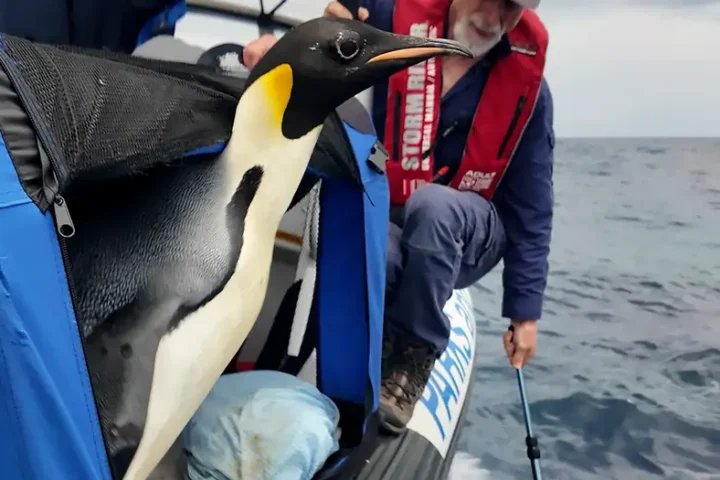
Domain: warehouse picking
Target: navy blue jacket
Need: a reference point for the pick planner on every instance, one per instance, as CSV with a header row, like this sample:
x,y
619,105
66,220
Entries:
x,y
112,25
524,199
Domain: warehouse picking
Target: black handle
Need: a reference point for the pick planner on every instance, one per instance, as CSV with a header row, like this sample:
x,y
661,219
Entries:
x,y
352,5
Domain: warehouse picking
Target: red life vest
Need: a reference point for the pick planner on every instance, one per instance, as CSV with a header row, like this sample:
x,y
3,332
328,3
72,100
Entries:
x,y
505,107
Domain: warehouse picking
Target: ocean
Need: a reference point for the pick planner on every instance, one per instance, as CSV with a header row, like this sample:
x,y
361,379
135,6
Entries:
x,y
626,381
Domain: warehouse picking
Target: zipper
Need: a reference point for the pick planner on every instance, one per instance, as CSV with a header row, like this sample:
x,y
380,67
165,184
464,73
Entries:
x,y
66,229
443,171
513,123
522,132
44,137
51,188
48,151
63,221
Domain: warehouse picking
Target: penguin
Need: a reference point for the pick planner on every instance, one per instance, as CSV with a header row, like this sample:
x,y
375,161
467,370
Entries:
x,y
173,275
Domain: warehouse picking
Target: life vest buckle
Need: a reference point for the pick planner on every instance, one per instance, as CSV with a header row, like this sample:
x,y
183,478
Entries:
x,y
378,157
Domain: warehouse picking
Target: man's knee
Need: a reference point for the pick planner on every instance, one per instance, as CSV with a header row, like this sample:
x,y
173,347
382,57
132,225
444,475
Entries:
x,y
448,209
434,204
441,203
434,220
441,217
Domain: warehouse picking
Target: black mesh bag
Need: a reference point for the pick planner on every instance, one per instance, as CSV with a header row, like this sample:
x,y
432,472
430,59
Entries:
x,y
106,114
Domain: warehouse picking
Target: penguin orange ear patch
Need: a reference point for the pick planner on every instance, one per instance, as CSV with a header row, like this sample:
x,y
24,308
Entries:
x,y
277,85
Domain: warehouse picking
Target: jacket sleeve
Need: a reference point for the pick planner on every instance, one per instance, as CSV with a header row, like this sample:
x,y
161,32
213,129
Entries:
x,y
526,204
380,13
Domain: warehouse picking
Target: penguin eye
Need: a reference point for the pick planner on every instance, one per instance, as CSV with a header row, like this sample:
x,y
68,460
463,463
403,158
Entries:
x,y
347,45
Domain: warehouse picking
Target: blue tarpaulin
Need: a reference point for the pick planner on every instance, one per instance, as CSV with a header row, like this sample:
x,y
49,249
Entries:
x,y
48,422
351,270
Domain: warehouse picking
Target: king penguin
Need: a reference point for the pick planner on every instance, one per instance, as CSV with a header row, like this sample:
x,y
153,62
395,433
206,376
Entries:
x,y
199,276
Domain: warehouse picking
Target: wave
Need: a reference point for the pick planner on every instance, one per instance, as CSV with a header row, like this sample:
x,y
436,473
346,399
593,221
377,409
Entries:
x,y
465,467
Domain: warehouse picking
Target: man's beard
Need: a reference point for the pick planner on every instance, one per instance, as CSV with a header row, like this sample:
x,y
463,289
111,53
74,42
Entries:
x,y
462,32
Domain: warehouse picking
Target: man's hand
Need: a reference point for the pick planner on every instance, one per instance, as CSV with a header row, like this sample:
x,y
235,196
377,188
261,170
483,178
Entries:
x,y
520,342
254,51
336,9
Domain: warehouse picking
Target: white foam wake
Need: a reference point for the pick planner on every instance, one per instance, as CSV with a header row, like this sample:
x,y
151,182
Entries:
x,y
466,467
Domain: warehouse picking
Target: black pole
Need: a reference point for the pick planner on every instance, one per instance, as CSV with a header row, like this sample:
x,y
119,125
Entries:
x,y
533,449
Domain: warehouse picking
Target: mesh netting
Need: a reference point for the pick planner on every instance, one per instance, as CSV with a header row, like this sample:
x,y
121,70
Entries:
x,y
113,114
207,76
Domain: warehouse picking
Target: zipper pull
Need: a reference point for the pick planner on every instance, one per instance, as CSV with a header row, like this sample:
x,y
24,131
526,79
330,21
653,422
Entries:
x,y
444,134
63,221
440,174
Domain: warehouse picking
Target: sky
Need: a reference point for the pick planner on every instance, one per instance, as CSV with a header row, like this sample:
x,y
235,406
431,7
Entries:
x,y
616,68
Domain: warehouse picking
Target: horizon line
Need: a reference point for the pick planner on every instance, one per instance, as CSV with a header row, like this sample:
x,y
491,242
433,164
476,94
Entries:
x,y
637,137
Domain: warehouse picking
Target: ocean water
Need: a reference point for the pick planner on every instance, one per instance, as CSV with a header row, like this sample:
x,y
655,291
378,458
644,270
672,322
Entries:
x,y
626,381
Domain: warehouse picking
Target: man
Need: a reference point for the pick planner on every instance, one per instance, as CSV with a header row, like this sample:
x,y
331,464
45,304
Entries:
x,y
473,206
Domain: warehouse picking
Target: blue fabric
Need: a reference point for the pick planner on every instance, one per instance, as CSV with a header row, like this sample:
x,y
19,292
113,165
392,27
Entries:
x,y
258,425
165,19
343,335
215,148
353,231
112,25
21,19
48,421
376,202
525,197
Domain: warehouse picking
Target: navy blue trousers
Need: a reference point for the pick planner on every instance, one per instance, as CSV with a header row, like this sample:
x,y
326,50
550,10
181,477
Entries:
x,y
442,240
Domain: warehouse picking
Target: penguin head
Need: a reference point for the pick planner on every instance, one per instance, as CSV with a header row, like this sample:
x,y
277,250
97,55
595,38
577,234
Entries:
x,y
320,64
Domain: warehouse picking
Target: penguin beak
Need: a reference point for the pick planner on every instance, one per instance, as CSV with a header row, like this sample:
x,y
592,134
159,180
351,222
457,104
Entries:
x,y
411,49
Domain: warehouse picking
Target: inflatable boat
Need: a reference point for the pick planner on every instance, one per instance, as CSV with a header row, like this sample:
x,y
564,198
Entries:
x,y
323,313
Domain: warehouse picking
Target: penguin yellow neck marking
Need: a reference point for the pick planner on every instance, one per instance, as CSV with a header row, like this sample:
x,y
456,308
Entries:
x,y
277,86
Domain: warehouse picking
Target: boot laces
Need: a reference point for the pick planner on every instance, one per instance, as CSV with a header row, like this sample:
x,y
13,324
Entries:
x,y
412,361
